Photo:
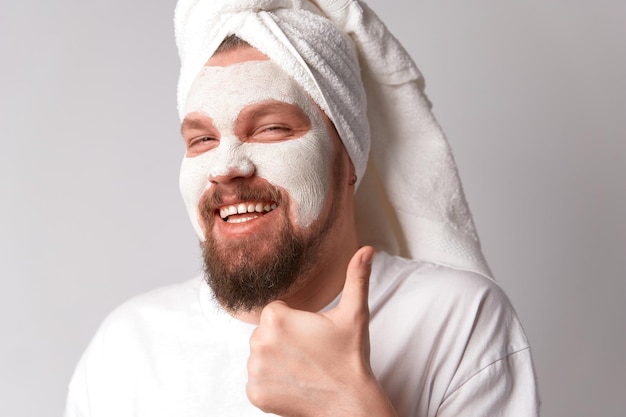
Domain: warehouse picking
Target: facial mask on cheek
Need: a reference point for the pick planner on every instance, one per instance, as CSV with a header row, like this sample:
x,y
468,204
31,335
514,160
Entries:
x,y
193,182
301,166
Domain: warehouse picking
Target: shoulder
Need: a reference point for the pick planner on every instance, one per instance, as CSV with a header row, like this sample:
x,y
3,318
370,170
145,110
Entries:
x,y
455,328
148,315
460,313
435,285
121,346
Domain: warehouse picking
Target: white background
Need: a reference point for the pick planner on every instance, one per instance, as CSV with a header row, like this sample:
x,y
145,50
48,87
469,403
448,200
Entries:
x,y
531,95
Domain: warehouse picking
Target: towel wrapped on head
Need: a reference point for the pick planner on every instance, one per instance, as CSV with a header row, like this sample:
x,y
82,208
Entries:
x,y
409,199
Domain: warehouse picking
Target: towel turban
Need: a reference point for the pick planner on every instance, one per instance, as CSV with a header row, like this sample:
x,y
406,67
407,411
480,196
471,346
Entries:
x,y
409,199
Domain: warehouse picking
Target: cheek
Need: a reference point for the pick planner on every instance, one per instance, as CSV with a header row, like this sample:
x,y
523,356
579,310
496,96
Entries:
x,y
302,167
193,182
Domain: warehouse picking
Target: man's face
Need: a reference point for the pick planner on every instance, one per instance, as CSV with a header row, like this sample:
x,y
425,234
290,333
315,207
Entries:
x,y
256,178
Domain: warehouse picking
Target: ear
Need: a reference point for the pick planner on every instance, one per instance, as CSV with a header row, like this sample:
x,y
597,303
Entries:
x,y
351,172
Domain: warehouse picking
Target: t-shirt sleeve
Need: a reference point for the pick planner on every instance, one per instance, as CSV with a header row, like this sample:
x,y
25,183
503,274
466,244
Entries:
x,y
505,387
459,349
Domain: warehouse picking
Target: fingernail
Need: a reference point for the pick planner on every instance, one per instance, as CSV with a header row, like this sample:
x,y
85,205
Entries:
x,y
366,258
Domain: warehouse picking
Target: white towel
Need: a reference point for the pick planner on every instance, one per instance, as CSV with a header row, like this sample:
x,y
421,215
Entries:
x,y
409,200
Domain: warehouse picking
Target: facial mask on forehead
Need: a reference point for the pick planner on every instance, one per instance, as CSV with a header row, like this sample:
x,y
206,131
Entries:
x,y
301,166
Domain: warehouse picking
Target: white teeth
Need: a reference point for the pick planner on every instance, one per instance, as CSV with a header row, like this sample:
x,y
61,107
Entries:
x,y
243,208
243,219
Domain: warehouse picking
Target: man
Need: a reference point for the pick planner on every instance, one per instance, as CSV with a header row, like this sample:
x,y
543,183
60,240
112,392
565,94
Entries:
x,y
292,317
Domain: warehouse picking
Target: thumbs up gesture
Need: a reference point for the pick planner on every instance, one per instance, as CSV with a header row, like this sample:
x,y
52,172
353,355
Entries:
x,y
317,364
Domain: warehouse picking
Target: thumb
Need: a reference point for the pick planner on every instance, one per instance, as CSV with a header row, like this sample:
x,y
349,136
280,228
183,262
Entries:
x,y
356,288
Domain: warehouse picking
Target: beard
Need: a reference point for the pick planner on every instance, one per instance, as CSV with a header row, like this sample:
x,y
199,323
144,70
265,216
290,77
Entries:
x,y
246,274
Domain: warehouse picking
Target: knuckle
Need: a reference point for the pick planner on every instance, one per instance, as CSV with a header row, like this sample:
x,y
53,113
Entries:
x,y
254,367
258,396
264,348
256,337
272,315
259,342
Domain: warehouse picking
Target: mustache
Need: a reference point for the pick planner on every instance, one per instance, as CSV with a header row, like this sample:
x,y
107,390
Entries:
x,y
240,190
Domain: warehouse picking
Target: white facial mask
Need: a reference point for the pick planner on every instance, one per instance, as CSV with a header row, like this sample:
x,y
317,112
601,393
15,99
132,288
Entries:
x,y
301,166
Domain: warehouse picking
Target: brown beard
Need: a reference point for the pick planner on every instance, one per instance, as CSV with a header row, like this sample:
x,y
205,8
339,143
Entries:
x,y
243,275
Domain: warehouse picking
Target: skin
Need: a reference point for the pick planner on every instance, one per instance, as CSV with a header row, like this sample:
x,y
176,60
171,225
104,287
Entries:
x,y
255,110
304,363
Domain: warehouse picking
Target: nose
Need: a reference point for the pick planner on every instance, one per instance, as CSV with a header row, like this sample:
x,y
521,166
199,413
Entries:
x,y
231,162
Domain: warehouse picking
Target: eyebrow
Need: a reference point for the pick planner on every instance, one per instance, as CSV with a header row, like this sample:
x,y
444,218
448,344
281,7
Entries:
x,y
263,108
192,123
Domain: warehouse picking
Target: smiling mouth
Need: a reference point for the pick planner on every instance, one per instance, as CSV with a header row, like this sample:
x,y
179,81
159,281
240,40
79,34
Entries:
x,y
245,211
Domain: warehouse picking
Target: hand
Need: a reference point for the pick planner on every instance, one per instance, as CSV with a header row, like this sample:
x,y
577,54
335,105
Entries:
x,y
317,364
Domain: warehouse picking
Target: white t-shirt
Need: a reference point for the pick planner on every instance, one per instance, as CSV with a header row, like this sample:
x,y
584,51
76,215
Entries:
x,y
443,343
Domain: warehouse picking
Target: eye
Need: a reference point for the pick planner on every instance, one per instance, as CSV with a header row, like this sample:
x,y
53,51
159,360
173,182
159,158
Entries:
x,y
201,144
272,132
270,128
203,139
